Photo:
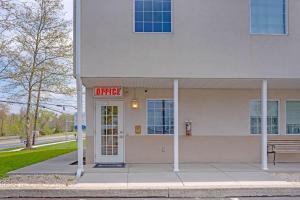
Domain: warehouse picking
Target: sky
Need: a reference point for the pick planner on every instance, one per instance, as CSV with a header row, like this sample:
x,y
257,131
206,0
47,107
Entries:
x,y
68,4
57,99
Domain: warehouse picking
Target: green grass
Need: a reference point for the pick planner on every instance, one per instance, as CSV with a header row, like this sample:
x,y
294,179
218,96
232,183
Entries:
x,y
10,161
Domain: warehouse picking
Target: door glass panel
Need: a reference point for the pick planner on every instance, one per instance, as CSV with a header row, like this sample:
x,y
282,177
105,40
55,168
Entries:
x,y
109,130
109,150
115,110
115,150
115,131
115,120
115,141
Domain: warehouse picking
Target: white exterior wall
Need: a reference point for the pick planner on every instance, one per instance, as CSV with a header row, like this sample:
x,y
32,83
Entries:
x,y
211,39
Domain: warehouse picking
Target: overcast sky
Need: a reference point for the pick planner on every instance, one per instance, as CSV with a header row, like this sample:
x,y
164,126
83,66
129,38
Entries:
x,y
69,8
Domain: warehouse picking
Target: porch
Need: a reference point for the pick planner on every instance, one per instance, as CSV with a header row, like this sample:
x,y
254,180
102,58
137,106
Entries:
x,y
218,108
196,175
162,176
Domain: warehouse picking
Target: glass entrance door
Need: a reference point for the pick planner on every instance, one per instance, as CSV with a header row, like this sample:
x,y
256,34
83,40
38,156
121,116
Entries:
x,y
109,134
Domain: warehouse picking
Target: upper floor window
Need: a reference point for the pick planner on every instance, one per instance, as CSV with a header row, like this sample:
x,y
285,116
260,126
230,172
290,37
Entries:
x,y
153,16
268,17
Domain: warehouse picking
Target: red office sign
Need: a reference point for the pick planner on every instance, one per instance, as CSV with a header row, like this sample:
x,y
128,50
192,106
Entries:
x,y
108,92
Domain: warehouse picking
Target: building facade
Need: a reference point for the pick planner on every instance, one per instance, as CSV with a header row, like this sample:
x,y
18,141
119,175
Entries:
x,y
173,81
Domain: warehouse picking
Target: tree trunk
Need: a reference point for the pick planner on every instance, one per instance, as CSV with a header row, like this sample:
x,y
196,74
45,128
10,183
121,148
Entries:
x,y
36,113
2,127
27,122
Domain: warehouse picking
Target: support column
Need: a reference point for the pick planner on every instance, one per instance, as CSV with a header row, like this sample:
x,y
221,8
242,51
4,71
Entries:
x,y
77,14
264,125
176,134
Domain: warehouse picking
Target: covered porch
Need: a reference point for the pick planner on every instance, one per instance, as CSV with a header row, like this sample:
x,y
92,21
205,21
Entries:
x,y
208,143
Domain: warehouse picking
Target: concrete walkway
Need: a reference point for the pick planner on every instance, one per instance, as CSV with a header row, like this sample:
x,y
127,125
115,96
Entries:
x,y
190,175
59,165
158,180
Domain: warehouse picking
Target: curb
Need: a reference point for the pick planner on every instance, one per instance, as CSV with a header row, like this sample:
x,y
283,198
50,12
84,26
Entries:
x,y
83,193
150,193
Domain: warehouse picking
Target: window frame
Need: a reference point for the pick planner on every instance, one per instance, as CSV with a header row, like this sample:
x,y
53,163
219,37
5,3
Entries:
x,y
271,34
153,99
279,118
286,130
133,21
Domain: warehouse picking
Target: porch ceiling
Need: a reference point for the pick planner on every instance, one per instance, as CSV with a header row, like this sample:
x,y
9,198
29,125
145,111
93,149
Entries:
x,y
192,83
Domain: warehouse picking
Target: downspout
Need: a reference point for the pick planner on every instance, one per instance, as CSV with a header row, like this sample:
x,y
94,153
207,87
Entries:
x,y
77,20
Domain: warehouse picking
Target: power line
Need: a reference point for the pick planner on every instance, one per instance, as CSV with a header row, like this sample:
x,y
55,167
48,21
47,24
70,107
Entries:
x,y
42,106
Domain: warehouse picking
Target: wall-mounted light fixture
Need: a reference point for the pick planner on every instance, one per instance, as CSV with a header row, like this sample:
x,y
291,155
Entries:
x,y
134,101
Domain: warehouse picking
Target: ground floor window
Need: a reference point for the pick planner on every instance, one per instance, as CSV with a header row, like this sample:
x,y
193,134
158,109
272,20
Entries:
x,y
255,117
293,117
160,116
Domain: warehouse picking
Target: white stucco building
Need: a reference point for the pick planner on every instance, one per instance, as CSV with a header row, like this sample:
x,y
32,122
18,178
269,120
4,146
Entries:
x,y
150,66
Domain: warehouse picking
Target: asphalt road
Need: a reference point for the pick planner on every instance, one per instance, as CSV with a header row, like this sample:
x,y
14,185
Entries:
x,y
235,198
13,143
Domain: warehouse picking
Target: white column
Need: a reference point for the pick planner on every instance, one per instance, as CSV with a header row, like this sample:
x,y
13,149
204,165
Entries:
x,y
176,134
264,125
79,89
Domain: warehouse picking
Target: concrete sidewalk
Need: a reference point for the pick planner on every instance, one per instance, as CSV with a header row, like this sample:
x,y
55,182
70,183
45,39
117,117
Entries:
x,y
59,165
210,175
208,180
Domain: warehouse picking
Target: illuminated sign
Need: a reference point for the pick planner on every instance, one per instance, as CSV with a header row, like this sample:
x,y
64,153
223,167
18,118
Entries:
x,y
108,92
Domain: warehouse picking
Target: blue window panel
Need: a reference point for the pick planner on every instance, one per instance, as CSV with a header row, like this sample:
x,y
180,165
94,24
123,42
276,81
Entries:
x,y
167,17
159,119
158,27
148,27
151,120
159,130
148,5
268,16
148,16
151,104
157,5
158,104
151,130
139,5
139,27
157,17
139,17
167,27
167,6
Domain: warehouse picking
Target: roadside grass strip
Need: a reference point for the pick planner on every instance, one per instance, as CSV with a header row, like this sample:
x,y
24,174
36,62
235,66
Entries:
x,y
10,161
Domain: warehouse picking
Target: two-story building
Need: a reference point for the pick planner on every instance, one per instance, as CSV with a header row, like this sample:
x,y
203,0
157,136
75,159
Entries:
x,y
189,81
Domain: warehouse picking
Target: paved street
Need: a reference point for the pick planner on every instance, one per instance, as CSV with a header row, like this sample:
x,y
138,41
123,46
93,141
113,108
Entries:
x,y
13,143
234,198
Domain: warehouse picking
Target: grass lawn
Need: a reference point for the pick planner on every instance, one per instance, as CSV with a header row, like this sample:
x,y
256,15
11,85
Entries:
x,y
10,161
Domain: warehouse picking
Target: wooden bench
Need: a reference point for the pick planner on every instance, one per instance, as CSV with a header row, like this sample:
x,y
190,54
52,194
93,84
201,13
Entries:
x,y
283,146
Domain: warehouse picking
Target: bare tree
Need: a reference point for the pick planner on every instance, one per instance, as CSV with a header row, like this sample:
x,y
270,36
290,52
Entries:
x,y
6,22
41,52
53,79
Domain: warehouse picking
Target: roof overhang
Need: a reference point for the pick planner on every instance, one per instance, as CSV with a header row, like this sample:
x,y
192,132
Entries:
x,y
192,83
